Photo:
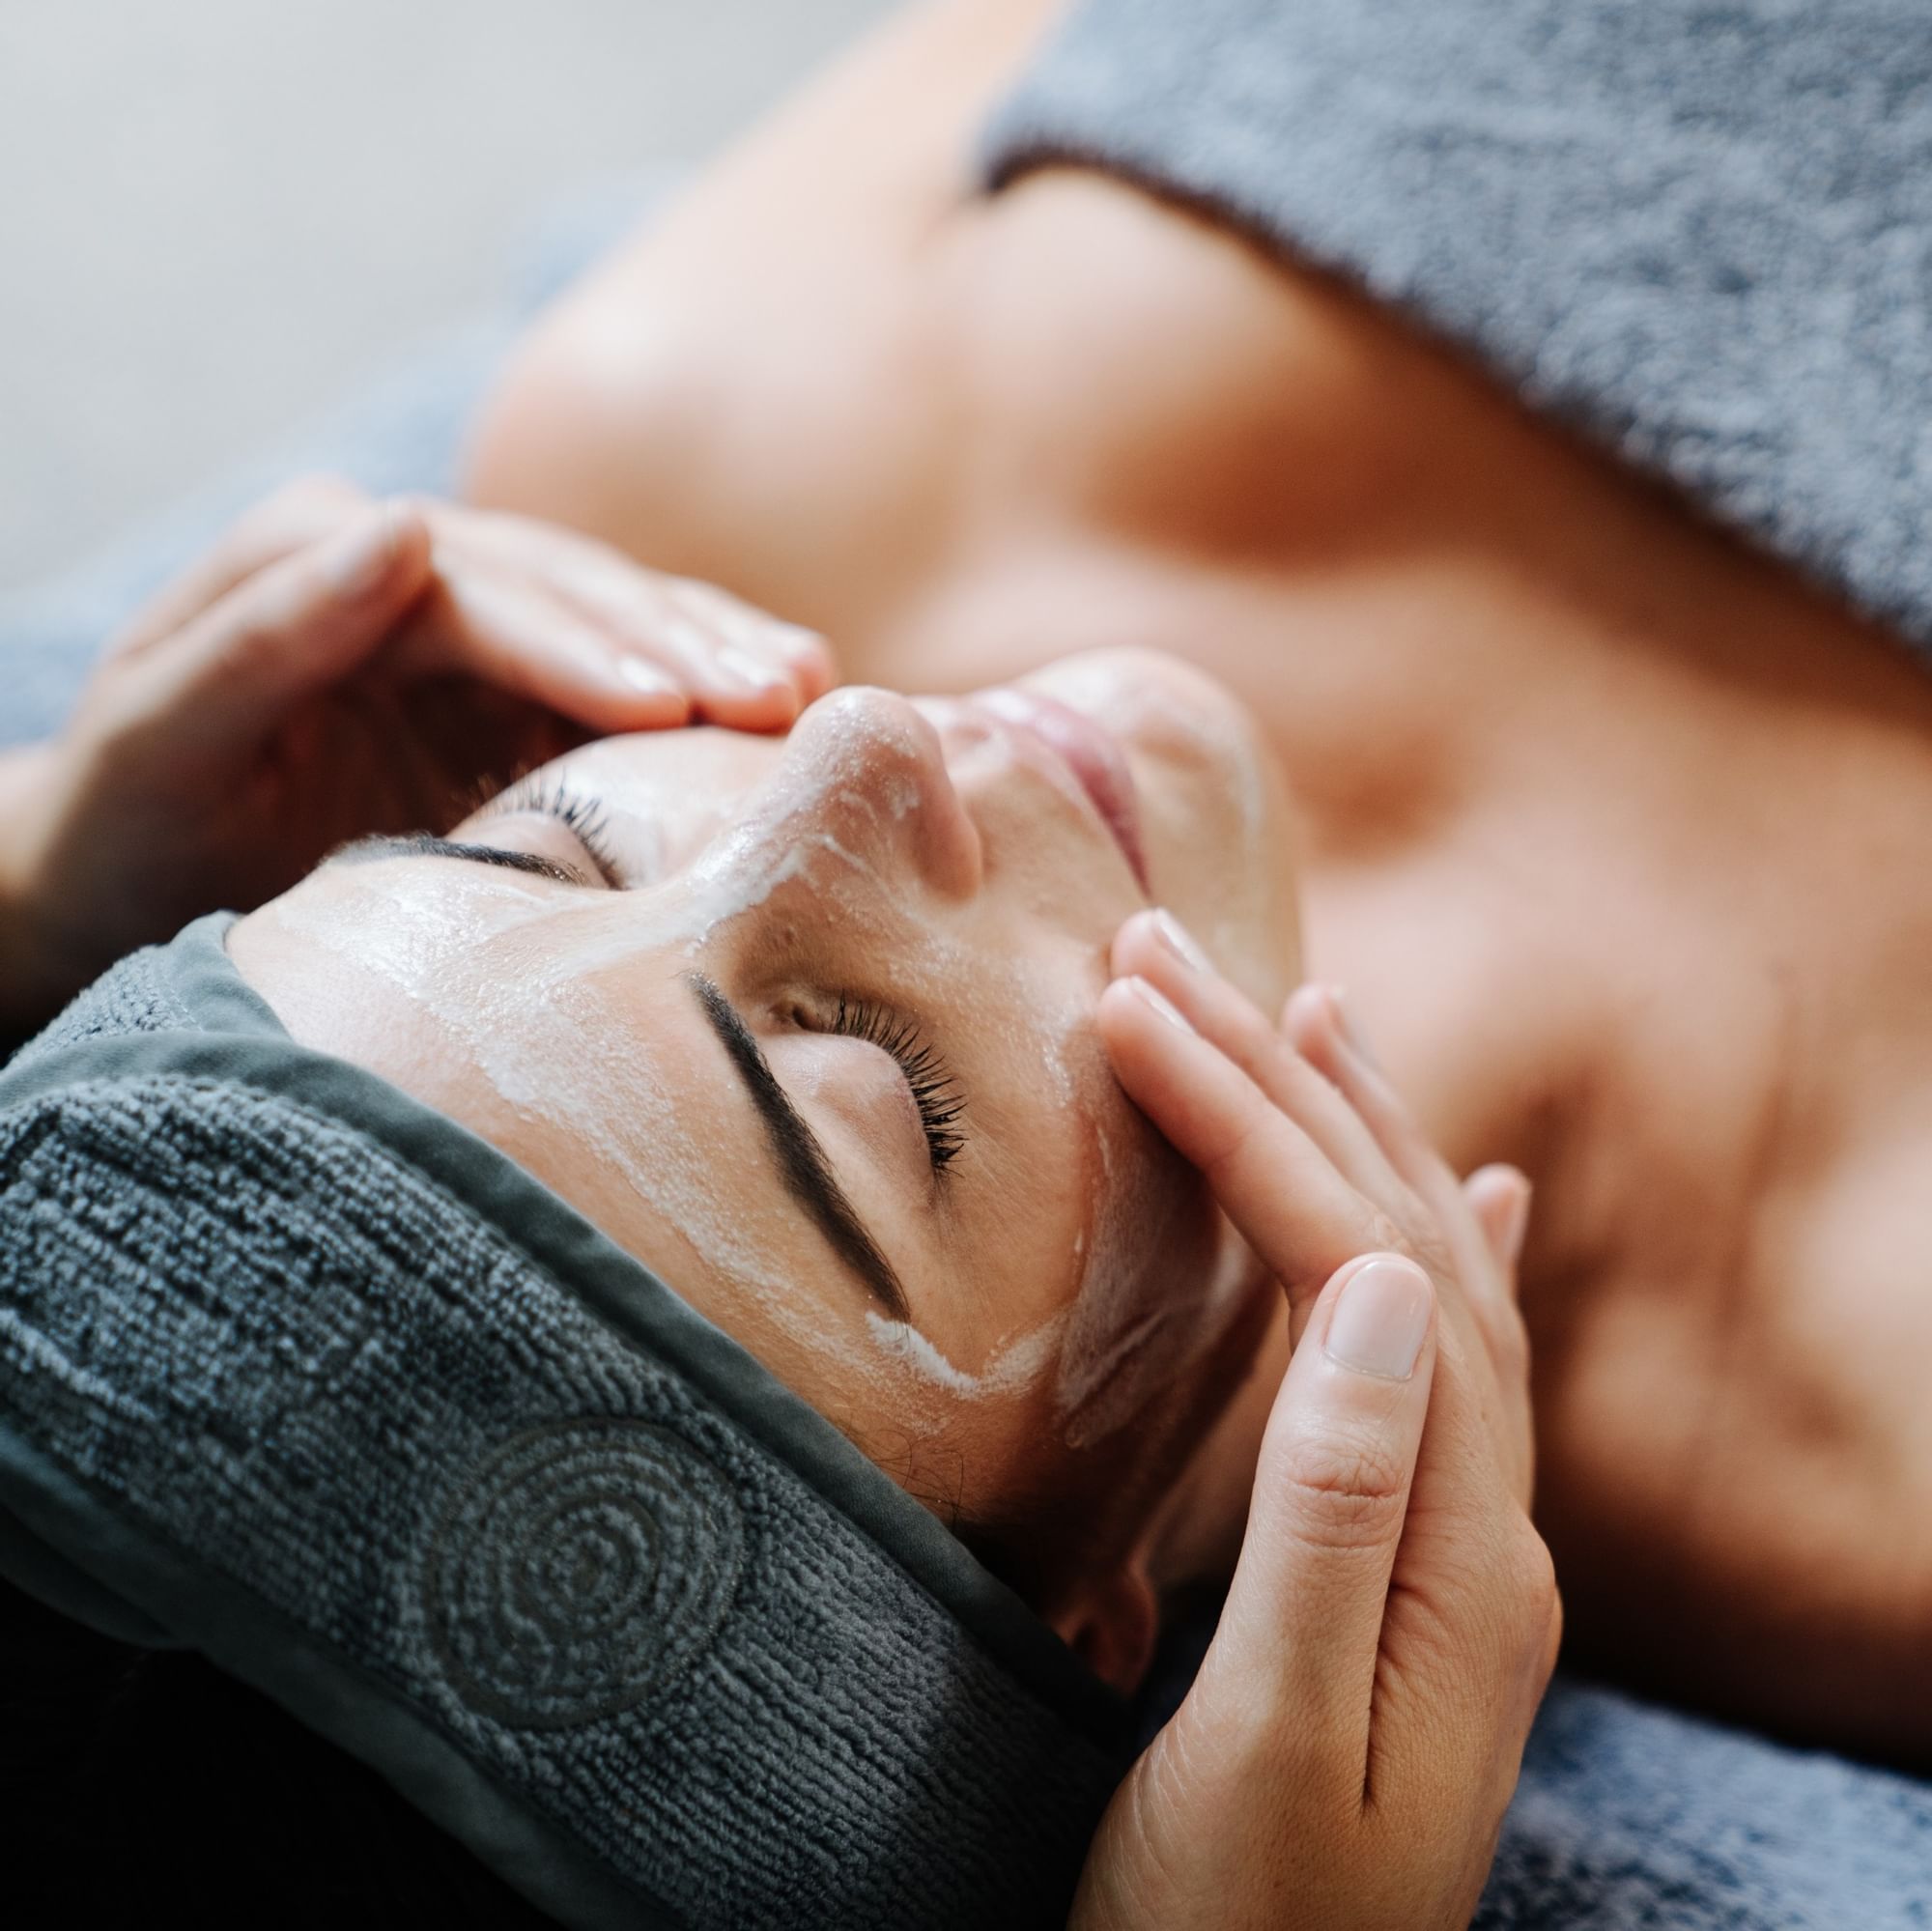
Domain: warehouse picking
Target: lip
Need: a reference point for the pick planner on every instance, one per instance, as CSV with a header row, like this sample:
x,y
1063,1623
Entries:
x,y
1091,754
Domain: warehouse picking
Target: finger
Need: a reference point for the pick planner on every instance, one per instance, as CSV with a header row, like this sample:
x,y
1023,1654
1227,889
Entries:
x,y
278,636
743,675
1284,1194
1469,1645
1154,945
1499,1197
1288,1200
1303,1621
1421,1197
1320,1020
609,619
647,630
815,664
508,633
1317,1020
299,514
802,655
740,666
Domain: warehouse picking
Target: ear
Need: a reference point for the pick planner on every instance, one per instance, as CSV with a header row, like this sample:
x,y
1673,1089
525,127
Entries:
x,y
1110,1623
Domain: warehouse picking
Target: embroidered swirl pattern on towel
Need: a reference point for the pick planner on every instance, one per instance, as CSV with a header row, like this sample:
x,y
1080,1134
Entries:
x,y
582,1564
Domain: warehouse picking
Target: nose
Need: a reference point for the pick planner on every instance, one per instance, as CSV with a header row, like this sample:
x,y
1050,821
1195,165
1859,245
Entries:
x,y
868,768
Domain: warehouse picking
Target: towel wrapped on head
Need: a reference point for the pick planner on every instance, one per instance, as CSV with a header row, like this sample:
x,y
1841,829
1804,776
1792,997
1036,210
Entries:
x,y
300,1374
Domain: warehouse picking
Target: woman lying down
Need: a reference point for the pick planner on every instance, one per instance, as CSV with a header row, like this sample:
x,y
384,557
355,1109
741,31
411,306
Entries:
x,y
854,1019
884,1039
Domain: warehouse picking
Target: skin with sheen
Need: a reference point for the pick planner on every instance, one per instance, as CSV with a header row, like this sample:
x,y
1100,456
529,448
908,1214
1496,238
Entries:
x,y
940,870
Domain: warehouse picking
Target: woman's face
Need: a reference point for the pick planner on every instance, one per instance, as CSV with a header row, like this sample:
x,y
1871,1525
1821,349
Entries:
x,y
807,1024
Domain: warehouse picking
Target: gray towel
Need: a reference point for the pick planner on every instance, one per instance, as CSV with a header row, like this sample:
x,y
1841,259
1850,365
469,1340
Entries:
x,y
1699,231
300,1374
1629,1815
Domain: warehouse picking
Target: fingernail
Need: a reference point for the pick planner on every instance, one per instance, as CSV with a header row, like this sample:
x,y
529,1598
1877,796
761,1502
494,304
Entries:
x,y
1151,996
1179,940
636,674
740,667
1352,1030
1379,1319
361,559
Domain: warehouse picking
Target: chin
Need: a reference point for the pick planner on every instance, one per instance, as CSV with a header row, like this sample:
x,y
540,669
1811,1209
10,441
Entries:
x,y
1153,702
1215,815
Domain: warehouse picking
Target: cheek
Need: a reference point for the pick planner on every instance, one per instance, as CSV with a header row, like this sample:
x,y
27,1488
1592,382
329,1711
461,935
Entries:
x,y
1155,1291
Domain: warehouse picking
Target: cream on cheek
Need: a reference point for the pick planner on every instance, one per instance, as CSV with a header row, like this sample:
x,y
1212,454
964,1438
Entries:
x,y
1153,1295
1122,1284
809,831
533,989
495,967
536,989
1136,1296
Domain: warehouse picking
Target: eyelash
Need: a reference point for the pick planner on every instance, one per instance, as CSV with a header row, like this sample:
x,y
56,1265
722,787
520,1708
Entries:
x,y
582,814
941,1103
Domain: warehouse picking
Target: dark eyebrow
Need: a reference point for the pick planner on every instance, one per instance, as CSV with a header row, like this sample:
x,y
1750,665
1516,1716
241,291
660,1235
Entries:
x,y
423,844
801,1161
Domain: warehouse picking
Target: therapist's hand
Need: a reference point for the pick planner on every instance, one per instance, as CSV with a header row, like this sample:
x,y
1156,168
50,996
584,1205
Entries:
x,y
338,667
1346,1752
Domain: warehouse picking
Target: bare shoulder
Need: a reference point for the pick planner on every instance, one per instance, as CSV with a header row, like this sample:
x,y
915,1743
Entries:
x,y
746,380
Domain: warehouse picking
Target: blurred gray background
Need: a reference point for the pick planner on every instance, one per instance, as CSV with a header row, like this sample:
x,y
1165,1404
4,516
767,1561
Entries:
x,y
218,213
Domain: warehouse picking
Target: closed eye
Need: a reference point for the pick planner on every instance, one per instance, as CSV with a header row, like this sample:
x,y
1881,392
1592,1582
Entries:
x,y
423,844
581,816
938,1095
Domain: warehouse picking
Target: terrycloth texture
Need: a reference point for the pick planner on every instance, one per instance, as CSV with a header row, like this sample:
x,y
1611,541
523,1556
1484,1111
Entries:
x,y
1697,232
297,1373
1630,1816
